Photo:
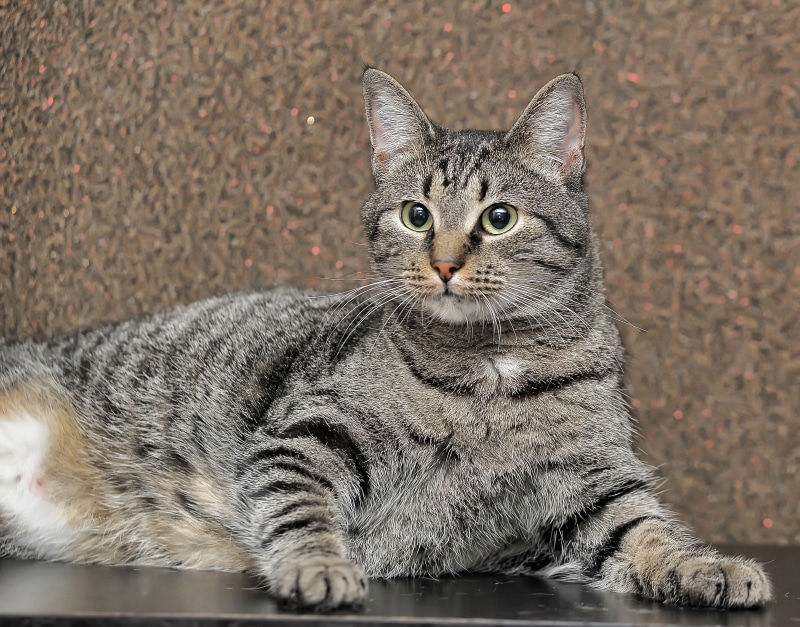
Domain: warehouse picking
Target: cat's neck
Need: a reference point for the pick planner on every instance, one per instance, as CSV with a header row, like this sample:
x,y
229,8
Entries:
x,y
488,359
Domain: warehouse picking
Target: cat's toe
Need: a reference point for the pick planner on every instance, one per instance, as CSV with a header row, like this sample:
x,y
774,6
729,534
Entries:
x,y
323,583
718,582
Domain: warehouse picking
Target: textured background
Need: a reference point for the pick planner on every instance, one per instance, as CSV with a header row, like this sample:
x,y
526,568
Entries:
x,y
149,157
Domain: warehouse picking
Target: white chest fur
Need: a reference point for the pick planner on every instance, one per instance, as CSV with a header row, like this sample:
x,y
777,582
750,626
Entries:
x,y
507,367
502,370
35,521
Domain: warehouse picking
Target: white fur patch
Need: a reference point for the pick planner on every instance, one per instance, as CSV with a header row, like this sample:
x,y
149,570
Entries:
x,y
507,367
35,521
454,311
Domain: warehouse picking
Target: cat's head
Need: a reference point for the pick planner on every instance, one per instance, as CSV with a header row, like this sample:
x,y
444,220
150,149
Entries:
x,y
480,226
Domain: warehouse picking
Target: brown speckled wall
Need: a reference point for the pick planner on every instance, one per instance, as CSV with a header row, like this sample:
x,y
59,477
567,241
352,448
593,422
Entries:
x,y
149,157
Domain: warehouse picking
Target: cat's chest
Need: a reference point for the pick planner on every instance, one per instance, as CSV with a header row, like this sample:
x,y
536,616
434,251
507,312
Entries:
x,y
499,433
438,516
501,371
466,483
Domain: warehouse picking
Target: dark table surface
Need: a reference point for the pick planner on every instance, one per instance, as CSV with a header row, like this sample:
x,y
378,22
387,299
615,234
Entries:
x,y
37,593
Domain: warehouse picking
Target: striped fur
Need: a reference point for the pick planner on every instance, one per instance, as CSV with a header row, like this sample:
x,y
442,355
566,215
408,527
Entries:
x,y
466,416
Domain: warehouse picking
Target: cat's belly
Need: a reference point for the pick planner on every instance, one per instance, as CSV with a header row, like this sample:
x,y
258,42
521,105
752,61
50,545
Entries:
x,y
56,503
39,525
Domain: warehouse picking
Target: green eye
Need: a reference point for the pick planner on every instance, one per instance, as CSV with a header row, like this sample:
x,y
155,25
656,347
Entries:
x,y
416,216
499,219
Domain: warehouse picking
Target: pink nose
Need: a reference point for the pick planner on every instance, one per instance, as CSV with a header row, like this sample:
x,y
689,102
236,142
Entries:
x,y
445,268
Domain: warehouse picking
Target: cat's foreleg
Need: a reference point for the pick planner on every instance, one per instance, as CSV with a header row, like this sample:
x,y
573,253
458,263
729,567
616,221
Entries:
x,y
659,559
294,490
645,552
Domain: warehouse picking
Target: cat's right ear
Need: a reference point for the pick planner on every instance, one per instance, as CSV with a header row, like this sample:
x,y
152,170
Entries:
x,y
397,126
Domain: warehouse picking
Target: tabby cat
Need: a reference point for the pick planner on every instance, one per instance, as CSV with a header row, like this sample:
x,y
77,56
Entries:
x,y
462,413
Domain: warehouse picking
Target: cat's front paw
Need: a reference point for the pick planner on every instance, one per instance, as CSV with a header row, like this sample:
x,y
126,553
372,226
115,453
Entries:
x,y
321,582
712,581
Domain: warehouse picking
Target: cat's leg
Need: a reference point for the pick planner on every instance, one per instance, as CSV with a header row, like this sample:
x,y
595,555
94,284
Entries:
x,y
659,559
295,489
631,544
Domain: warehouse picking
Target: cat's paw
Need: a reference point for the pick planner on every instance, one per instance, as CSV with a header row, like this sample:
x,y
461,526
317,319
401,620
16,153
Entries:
x,y
712,581
322,583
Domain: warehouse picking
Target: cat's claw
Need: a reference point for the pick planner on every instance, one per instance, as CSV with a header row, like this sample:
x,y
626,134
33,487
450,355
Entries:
x,y
323,583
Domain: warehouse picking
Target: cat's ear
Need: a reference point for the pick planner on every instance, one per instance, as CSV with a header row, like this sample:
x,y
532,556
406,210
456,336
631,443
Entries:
x,y
550,133
397,126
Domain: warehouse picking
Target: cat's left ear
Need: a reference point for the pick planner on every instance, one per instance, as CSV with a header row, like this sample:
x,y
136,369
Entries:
x,y
397,126
551,132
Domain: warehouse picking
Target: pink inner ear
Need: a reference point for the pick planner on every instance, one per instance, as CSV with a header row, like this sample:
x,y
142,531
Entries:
x,y
573,138
379,135
572,144
385,145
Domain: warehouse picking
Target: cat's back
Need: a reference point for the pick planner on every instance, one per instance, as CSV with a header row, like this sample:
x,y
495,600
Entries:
x,y
193,377
212,334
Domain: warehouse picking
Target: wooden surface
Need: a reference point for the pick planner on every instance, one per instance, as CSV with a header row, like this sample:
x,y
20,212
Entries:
x,y
37,593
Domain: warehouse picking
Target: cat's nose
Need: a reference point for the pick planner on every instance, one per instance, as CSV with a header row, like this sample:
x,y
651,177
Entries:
x,y
445,268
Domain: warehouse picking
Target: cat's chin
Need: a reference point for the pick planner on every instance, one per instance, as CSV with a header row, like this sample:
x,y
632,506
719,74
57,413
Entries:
x,y
455,310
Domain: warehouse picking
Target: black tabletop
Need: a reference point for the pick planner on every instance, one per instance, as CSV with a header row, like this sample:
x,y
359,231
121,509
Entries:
x,y
37,593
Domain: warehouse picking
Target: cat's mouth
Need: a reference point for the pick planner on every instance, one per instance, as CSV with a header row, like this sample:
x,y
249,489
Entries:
x,y
448,291
449,306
